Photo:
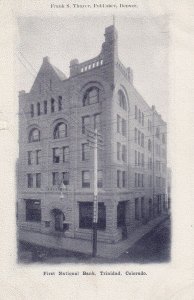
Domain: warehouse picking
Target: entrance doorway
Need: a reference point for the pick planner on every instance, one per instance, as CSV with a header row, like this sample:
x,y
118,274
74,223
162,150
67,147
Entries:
x,y
121,218
59,220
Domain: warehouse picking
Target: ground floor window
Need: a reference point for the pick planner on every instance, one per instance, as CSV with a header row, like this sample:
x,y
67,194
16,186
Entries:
x,y
33,210
86,215
137,209
121,214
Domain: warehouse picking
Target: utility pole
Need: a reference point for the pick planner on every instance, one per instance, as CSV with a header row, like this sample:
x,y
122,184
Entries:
x,y
153,158
93,142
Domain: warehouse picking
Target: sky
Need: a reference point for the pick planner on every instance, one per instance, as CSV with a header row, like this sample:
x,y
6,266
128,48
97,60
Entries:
x,y
143,45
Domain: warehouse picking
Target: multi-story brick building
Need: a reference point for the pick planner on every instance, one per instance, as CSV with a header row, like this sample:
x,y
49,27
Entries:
x,y
55,118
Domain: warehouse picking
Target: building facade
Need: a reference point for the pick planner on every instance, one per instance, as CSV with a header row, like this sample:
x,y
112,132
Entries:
x,y
56,162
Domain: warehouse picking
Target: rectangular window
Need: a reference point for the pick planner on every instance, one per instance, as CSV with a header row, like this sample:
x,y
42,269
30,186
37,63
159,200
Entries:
x,y
139,116
100,179
97,121
124,178
86,215
38,109
52,105
32,110
136,208
33,210
118,178
30,180
85,151
118,151
38,152
142,140
56,155
38,180
55,178
135,135
85,179
138,158
124,127
139,180
85,123
118,123
135,158
139,137
142,160
65,178
60,103
45,107
142,207
135,179
65,153
142,180
124,153
30,157
142,119
136,112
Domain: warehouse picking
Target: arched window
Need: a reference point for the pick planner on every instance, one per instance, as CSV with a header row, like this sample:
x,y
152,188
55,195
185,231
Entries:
x,y
122,100
149,145
91,96
34,135
60,131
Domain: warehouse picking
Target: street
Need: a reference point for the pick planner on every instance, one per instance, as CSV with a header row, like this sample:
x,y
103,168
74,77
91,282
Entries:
x,y
154,247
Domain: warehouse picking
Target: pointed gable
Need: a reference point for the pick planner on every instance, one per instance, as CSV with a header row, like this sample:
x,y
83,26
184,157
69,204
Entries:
x,y
47,78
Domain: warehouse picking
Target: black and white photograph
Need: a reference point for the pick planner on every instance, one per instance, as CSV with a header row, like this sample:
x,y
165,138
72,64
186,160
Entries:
x,y
93,175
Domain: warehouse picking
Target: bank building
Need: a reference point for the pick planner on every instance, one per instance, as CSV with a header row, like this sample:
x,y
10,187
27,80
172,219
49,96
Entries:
x,y
58,120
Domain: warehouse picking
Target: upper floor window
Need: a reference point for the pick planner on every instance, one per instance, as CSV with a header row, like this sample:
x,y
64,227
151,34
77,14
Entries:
x,y
91,96
65,178
163,139
86,179
60,131
97,121
52,105
124,127
34,135
157,132
118,123
38,109
136,112
65,153
122,100
85,151
32,110
60,103
56,155
45,107
100,178
85,123
149,145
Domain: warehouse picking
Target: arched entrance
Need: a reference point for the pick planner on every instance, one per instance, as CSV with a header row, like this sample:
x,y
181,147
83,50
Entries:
x,y
59,220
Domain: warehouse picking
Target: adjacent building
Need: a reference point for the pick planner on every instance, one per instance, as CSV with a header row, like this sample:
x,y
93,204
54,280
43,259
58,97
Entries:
x,y
56,160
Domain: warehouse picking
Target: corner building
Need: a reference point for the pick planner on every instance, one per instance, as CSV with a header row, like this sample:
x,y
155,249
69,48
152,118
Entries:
x,y
56,163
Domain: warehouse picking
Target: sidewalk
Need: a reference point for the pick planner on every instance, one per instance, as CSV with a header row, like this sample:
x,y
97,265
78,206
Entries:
x,y
110,251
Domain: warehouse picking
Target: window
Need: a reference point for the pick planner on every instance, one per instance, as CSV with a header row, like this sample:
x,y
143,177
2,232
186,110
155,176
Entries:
x,y
142,140
86,215
34,135
149,145
118,178
139,137
65,178
85,151
136,208
142,207
142,159
124,153
136,112
136,181
38,152
139,180
33,210
118,123
56,155
118,151
60,103
97,121
38,109
142,180
91,96
60,131
163,139
32,110
124,178
30,157
65,153
124,127
135,135
139,116
100,179
50,84
121,212
52,105
55,178
158,132
30,180
85,179
45,107
135,158
122,100
142,119
139,158
38,180
85,123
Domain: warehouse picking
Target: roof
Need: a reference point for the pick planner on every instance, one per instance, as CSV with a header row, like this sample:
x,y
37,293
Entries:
x,y
59,73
